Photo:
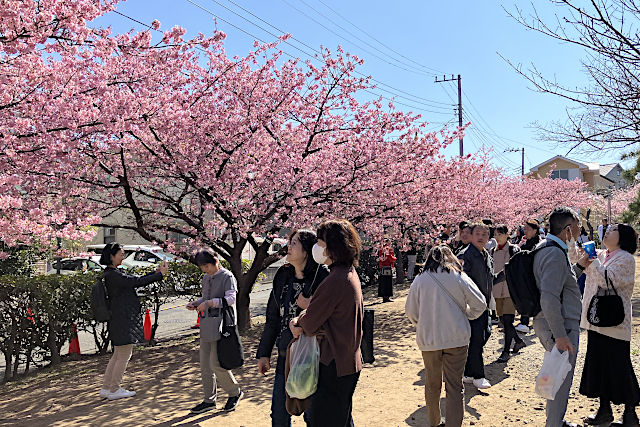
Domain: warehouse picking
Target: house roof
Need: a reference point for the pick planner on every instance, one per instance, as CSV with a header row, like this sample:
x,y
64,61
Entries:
x,y
581,165
605,169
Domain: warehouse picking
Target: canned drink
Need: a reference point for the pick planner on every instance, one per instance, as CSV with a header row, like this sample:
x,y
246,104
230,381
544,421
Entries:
x,y
590,249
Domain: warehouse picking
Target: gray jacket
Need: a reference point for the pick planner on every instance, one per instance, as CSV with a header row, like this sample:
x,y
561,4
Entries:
x,y
559,293
478,269
221,285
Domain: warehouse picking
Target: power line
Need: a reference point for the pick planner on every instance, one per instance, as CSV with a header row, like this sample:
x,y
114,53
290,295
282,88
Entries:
x,y
363,41
378,41
353,43
419,100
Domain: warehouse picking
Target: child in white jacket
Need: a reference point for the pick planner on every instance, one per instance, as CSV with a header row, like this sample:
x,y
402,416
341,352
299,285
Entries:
x,y
441,301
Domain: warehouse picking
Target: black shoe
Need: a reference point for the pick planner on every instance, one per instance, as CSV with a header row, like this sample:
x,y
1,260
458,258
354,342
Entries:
x,y
232,402
504,357
600,417
518,346
203,407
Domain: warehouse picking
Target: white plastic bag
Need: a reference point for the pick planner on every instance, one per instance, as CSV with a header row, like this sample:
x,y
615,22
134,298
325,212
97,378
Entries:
x,y
555,368
304,359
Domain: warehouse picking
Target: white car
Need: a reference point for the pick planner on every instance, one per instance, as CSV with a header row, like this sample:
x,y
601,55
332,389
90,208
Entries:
x,y
73,265
140,255
248,253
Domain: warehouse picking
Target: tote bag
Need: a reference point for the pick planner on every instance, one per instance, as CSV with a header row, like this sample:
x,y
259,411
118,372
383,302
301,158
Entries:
x,y
230,353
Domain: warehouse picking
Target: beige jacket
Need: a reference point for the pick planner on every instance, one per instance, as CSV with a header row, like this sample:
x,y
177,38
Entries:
x,y
621,268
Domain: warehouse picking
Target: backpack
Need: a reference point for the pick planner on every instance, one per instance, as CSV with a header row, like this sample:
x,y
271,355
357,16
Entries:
x,y
522,283
100,301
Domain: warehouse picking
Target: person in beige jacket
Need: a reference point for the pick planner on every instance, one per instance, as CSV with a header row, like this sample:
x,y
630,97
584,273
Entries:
x,y
504,305
608,373
441,301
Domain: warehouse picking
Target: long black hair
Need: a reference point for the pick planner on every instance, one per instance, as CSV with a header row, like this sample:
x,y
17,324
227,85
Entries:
x,y
307,239
109,250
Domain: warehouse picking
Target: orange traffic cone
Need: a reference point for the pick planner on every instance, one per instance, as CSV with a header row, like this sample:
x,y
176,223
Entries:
x,y
74,344
147,326
197,325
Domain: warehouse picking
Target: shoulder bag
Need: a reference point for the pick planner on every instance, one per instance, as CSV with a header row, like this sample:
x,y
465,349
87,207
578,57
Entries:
x,y
606,308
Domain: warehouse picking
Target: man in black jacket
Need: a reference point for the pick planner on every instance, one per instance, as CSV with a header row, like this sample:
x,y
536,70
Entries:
x,y
478,265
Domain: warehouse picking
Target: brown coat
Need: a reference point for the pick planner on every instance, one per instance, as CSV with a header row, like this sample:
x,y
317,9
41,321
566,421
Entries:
x,y
337,309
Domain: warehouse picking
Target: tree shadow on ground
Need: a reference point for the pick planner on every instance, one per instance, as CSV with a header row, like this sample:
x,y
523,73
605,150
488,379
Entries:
x,y
166,378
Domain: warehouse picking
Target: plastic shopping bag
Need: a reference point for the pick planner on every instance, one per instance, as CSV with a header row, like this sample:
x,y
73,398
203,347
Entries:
x,y
555,368
302,381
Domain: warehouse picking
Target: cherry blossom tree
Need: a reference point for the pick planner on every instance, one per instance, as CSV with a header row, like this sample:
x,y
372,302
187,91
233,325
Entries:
x,y
175,136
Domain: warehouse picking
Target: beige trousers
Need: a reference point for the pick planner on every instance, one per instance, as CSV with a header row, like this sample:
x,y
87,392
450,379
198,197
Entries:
x,y
116,367
447,364
212,372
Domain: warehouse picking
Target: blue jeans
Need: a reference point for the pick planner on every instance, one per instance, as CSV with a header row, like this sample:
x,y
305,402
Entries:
x,y
279,415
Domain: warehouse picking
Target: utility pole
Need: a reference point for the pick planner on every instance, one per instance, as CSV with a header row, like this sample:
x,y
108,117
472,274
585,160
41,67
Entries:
x,y
452,78
515,150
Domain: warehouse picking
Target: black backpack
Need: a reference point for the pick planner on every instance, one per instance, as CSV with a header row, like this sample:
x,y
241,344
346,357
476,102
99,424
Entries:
x,y
100,301
522,283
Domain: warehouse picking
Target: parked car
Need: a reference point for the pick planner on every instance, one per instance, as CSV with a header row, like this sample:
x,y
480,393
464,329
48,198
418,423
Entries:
x,y
140,255
73,265
248,253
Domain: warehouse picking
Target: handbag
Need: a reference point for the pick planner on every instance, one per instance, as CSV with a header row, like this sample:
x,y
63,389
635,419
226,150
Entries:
x,y
230,353
606,308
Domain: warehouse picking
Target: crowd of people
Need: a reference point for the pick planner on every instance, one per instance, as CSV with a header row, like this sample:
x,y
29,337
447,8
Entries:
x,y
455,295
451,300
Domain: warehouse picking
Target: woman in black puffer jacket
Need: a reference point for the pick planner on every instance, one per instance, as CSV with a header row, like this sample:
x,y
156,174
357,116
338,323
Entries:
x,y
293,285
125,326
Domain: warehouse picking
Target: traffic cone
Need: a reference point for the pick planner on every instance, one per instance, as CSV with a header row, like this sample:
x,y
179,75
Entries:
x,y
147,326
197,325
74,344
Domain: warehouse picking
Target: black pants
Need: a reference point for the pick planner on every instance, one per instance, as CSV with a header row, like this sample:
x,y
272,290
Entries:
x,y
524,320
510,333
479,336
331,403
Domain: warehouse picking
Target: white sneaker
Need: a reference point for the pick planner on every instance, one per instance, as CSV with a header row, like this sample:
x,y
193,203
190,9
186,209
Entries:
x,y
481,383
120,394
467,380
104,392
522,328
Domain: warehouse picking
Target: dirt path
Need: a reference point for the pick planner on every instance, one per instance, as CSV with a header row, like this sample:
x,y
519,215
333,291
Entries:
x,y
390,391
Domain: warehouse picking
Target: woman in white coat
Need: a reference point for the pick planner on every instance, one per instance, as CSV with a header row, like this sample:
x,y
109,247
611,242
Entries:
x,y
441,301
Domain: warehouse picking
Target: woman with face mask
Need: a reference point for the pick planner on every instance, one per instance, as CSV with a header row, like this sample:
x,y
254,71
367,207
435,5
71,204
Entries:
x,y
293,286
336,312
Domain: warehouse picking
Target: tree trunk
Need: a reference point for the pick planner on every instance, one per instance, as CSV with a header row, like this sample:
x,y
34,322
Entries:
x,y
400,277
52,344
8,361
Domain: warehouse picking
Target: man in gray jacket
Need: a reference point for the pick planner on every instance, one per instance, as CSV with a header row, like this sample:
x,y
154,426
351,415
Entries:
x,y
559,321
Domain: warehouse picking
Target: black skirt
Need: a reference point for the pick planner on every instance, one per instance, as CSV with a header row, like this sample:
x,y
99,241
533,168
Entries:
x,y
385,286
608,372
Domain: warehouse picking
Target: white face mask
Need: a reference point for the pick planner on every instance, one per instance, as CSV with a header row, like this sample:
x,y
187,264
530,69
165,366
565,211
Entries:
x,y
318,254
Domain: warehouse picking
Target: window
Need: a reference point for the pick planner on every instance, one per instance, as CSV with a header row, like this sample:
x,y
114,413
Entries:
x,y
618,172
109,235
560,174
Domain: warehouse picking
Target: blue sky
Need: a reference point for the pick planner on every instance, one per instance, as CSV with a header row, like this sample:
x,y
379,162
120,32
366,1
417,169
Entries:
x,y
404,44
